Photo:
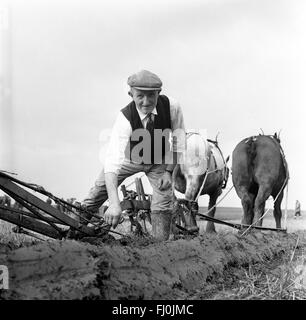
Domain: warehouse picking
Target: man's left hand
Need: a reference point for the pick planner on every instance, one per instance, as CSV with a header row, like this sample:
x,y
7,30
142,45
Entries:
x,y
165,181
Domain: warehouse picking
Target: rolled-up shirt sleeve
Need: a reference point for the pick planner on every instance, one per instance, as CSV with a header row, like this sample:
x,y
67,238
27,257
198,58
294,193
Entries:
x,y
118,141
178,126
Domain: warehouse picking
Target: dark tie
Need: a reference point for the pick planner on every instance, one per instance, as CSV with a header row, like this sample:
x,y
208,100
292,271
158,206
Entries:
x,y
150,123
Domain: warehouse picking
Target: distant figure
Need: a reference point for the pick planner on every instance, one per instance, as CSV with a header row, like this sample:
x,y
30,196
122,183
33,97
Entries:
x,y
297,211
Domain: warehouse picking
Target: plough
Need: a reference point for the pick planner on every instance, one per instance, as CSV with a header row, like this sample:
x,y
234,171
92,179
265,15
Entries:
x,y
44,219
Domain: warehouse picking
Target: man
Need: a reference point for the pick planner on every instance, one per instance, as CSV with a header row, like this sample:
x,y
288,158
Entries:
x,y
297,211
136,146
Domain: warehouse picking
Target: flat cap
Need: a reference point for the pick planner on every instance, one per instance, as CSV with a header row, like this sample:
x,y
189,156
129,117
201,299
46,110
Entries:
x,y
144,80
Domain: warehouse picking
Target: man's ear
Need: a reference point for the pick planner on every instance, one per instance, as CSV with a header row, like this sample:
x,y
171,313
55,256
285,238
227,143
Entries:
x,y
130,93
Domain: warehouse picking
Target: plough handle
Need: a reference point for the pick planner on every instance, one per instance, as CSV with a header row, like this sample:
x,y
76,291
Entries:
x,y
41,190
123,190
141,189
30,223
17,192
138,189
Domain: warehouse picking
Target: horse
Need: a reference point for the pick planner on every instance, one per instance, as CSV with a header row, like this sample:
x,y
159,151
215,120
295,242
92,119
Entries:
x,y
259,169
202,170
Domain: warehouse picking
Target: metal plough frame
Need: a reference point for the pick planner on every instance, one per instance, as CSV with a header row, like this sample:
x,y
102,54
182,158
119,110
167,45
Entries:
x,y
40,217
44,219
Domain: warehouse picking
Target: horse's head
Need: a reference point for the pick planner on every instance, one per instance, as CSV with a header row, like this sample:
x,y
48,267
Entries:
x,y
194,164
193,167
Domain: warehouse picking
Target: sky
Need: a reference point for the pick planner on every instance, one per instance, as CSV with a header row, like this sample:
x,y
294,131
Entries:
x,y
236,67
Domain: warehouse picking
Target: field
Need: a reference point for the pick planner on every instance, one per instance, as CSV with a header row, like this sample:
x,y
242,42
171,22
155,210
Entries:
x,y
260,265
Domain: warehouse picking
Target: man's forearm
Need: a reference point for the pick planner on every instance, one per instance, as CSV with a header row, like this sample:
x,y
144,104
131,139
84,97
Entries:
x,y
111,182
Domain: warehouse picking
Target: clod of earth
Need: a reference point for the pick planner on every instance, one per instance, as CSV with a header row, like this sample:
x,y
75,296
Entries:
x,y
155,270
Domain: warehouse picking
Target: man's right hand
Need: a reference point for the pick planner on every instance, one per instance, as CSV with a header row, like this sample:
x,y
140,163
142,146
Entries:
x,y
112,215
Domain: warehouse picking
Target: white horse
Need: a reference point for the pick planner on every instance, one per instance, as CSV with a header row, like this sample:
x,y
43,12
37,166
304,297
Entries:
x,y
202,170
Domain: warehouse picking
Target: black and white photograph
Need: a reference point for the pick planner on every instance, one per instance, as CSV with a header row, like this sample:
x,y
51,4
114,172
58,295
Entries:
x,y
152,151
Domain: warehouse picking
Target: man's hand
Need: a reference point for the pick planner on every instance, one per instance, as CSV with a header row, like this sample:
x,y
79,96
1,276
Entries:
x,y
165,181
112,215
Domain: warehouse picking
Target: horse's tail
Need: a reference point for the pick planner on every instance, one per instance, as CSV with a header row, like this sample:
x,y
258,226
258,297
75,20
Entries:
x,y
251,150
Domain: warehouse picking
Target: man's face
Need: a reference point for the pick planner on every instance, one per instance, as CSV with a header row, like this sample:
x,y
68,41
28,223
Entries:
x,y
145,100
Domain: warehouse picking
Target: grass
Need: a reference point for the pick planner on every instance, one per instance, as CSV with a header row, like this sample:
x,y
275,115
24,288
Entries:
x,y
257,285
280,278
261,286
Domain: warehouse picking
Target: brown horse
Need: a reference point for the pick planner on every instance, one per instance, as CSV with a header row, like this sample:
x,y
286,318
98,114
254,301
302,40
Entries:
x,y
259,169
202,171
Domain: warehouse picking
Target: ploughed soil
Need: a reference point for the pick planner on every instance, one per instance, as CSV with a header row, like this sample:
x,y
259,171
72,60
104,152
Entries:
x,y
209,266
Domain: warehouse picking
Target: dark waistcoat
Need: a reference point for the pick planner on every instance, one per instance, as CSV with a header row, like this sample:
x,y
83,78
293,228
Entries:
x,y
161,121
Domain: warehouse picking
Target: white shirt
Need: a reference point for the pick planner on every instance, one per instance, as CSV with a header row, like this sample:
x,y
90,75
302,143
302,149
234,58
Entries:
x,y
122,131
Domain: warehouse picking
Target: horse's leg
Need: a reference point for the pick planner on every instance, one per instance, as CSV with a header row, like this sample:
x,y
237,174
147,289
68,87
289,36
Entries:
x,y
263,194
210,227
277,212
263,211
247,201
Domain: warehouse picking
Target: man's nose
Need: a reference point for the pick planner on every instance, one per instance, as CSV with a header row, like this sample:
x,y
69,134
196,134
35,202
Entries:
x,y
146,101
